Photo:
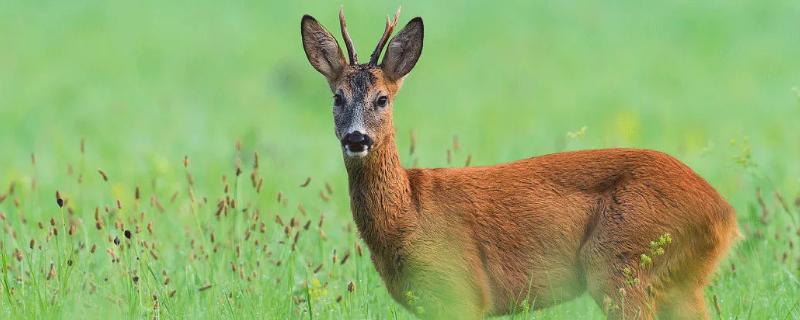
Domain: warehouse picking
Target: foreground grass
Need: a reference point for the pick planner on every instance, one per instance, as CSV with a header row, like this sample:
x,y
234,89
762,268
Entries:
x,y
148,83
238,246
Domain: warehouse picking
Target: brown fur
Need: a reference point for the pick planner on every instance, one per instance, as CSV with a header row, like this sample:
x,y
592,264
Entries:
x,y
479,241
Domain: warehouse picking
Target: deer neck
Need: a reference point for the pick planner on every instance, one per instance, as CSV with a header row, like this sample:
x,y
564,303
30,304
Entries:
x,y
380,196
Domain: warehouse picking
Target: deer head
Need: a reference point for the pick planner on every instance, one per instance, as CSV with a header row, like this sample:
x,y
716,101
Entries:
x,y
362,93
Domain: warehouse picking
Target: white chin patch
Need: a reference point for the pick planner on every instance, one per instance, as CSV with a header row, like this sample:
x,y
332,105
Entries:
x,y
351,154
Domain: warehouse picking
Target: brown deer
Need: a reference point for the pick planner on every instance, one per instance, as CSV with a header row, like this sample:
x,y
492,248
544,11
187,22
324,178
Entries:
x,y
462,243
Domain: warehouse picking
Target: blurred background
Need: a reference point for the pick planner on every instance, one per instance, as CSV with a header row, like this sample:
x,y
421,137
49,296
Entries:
x,y
149,81
145,83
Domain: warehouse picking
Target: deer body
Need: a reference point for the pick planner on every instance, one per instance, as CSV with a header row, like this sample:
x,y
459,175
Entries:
x,y
479,241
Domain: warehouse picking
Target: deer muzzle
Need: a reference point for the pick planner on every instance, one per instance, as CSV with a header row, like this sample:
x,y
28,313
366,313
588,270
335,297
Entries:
x,y
356,144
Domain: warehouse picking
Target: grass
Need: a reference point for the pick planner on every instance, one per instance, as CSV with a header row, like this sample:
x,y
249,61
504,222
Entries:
x,y
131,88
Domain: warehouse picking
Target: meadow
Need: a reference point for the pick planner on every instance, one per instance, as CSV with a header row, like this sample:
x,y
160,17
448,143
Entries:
x,y
177,159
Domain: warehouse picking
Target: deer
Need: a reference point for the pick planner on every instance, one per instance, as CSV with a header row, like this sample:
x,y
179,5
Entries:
x,y
480,241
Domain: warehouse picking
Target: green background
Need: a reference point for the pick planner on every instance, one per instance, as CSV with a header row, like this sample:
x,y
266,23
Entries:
x,y
146,83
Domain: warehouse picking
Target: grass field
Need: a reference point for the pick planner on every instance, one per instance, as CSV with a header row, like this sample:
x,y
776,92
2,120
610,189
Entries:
x,y
132,88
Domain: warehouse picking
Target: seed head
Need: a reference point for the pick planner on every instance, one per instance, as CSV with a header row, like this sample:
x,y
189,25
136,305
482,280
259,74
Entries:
x,y
413,144
449,156
52,272
103,174
59,200
255,160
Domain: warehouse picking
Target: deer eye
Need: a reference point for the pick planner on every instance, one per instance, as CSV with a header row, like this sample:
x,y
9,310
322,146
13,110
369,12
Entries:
x,y
338,101
381,102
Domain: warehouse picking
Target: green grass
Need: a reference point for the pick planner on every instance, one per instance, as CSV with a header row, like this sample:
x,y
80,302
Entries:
x,y
146,83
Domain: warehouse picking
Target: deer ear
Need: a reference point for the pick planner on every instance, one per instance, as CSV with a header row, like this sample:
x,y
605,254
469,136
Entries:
x,y
321,48
404,50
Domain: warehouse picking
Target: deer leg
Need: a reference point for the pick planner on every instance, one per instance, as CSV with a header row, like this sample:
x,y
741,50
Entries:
x,y
434,295
683,304
620,300
446,286
615,282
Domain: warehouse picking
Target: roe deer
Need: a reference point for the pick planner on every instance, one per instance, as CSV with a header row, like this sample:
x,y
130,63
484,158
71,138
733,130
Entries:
x,y
472,242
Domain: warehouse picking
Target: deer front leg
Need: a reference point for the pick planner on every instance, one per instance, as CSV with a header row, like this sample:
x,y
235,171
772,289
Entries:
x,y
447,285
443,294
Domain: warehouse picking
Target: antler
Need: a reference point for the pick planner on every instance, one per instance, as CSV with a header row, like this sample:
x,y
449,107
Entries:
x,y
373,59
347,41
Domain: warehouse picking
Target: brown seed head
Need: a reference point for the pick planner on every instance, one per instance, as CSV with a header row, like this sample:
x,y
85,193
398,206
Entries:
x,y
255,160
59,200
103,174
52,272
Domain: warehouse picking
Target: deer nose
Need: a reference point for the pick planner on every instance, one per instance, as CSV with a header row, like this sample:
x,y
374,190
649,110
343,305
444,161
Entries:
x,y
356,141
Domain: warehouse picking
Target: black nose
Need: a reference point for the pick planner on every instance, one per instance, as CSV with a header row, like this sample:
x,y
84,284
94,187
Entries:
x,y
357,141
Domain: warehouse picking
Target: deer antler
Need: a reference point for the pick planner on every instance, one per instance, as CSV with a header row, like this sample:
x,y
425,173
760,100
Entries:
x,y
347,41
373,59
